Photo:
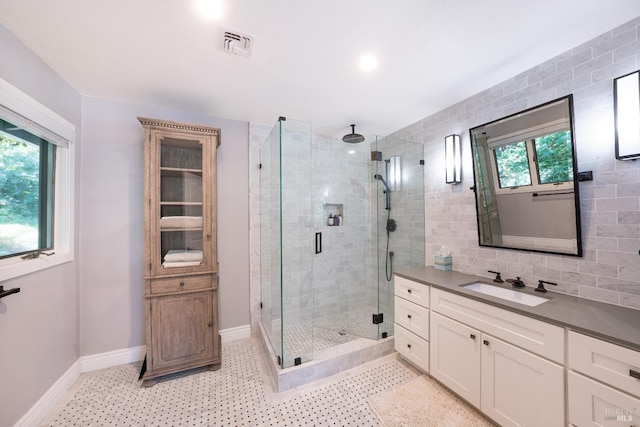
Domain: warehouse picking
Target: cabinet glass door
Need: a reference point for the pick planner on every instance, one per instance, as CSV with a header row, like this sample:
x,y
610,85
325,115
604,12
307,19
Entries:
x,y
182,203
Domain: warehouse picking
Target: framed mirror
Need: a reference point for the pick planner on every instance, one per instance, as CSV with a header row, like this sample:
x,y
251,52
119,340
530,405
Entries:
x,y
526,180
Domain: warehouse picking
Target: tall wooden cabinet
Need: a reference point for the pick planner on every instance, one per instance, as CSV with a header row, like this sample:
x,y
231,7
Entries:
x,y
181,265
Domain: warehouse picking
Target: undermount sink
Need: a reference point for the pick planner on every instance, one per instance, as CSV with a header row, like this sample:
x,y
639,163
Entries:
x,y
511,295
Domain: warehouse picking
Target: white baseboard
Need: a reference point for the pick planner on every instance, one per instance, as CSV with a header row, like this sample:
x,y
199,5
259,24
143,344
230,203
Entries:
x,y
112,358
56,392
43,406
237,333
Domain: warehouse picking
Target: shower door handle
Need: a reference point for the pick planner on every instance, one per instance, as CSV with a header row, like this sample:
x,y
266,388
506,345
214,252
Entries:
x,y
318,243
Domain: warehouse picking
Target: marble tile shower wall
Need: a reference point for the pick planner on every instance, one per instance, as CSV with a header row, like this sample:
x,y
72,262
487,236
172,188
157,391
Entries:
x,y
609,271
343,277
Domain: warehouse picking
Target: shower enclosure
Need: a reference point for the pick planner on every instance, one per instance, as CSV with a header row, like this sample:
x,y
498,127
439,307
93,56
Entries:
x,y
336,220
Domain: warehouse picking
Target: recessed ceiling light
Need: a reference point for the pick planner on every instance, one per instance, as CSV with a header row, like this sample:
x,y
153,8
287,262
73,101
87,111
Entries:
x,y
368,62
209,9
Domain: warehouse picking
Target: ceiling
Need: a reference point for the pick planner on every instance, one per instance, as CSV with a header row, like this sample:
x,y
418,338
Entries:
x,y
304,64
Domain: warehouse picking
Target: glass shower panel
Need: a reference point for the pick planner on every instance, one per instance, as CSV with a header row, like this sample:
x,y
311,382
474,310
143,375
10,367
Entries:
x,y
399,215
270,253
297,242
342,283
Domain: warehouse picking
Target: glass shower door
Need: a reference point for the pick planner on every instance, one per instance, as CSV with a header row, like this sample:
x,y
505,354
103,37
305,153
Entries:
x,y
398,175
270,231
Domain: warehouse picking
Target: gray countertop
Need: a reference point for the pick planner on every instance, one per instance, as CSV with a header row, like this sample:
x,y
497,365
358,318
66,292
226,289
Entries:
x,y
619,325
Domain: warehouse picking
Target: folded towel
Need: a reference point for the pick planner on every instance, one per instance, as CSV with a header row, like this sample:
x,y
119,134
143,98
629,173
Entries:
x,y
180,264
181,222
183,255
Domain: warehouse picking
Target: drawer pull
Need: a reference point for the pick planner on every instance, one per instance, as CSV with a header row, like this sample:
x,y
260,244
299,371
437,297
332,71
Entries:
x,y
634,374
408,316
472,336
485,342
408,345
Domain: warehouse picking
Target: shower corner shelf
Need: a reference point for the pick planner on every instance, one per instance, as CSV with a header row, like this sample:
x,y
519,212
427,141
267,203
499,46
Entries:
x,y
333,209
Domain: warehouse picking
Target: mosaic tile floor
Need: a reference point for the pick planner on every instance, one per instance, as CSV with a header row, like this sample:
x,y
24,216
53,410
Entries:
x,y
238,394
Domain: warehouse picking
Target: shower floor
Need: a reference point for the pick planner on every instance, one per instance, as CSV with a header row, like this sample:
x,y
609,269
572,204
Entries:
x,y
305,340
333,350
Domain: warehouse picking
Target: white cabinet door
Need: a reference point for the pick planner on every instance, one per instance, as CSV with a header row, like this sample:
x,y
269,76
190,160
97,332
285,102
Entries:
x,y
455,357
520,388
594,404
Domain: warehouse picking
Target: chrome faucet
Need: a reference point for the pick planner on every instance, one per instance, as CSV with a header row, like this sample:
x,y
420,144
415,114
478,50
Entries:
x,y
516,283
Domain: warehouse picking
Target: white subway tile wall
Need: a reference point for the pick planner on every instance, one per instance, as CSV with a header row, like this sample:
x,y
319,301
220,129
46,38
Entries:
x,y
610,204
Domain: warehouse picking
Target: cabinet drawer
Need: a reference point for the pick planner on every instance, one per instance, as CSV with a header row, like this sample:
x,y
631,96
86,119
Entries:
x,y
411,291
412,316
595,404
412,347
606,362
530,334
180,284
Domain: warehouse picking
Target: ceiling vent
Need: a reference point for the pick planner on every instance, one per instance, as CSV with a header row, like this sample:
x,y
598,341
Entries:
x,y
237,43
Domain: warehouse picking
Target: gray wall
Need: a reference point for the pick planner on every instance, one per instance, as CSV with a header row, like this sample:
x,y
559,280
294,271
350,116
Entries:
x,y
610,204
111,203
38,326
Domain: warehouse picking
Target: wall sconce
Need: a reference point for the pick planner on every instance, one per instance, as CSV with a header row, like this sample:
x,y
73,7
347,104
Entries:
x,y
626,104
452,158
395,173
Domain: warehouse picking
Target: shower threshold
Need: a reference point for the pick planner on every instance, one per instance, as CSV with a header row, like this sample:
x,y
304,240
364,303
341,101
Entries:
x,y
328,361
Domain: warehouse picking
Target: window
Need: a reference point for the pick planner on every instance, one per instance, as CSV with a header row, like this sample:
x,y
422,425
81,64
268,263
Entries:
x,y
537,164
512,162
27,177
554,158
36,185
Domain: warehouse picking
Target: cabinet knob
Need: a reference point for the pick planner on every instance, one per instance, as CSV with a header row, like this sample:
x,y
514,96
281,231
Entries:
x,y
485,342
472,336
409,290
408,345
210,324
408,316
208,237
182,284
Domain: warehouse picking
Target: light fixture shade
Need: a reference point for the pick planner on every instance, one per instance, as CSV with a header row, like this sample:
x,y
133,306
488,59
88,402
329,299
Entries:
x,y
626,97
453,160
395,173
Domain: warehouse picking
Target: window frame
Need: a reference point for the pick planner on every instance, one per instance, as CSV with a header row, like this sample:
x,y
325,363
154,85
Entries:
x,y
24,111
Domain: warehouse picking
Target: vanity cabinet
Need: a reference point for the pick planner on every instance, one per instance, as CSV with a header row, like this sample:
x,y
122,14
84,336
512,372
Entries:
x,y
411,317
604,383
180,269
507,365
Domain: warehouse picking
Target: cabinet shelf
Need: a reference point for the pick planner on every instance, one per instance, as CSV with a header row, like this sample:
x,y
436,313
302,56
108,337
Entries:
x,y
168,203
166,171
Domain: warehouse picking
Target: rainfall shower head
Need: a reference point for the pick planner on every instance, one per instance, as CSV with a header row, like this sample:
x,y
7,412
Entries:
x,y
353,137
